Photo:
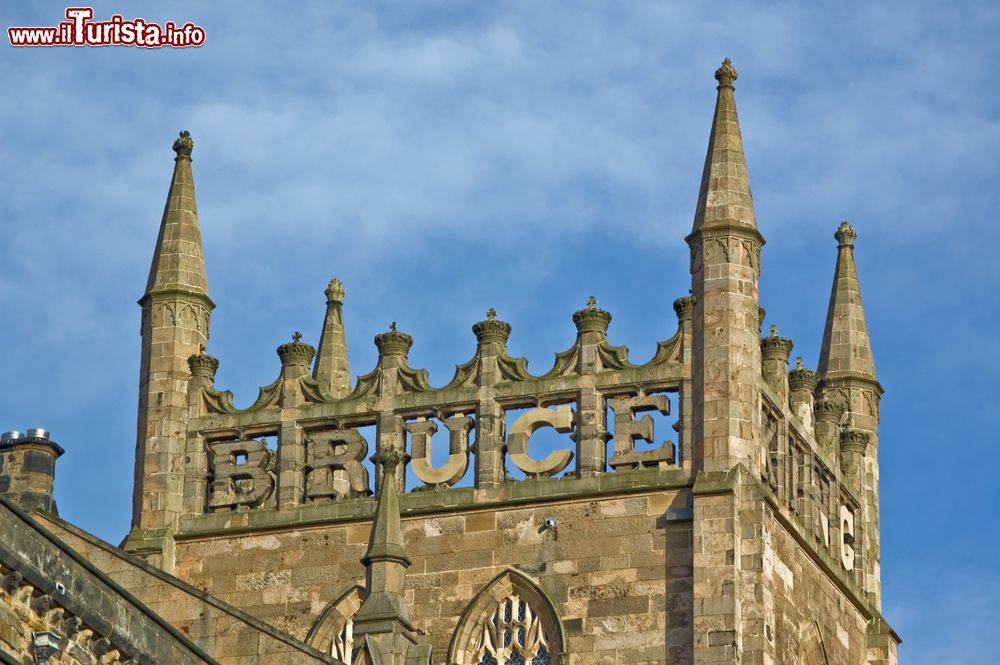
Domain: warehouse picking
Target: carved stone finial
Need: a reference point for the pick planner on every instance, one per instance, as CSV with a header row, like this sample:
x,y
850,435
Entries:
x,y
592,318
389,458
491,329
854,441
296,352
183,145
335,291
202,364
684,307
845,235
829,410
761,313
798,363
726,74
393,342
774,347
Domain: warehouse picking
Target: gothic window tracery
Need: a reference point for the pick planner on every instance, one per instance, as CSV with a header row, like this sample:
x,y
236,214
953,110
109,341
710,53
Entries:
x,y
514,635
510,622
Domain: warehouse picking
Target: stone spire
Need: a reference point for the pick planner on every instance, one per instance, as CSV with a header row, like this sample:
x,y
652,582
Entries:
x,y
725,197
384,608
332,369
176,311
725,268
846,351
178,261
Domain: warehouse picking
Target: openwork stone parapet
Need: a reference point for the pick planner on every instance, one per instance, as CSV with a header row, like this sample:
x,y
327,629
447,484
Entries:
x,y
591,318
802,379
296,352
491,329
202,364
393,342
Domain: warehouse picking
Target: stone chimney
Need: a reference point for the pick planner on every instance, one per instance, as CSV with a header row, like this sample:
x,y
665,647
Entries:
x,y
28,469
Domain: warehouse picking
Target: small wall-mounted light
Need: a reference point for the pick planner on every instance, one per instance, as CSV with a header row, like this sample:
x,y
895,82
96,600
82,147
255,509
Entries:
x,y
45,644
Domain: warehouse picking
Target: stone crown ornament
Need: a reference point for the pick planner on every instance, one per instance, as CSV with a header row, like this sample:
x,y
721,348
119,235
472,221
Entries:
x,y
393,342
591,318
774,346
802,378
684,307
202,364
296,352
491,329
854,441
183,145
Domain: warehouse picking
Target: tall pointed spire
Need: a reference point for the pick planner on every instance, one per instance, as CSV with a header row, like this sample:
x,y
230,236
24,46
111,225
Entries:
x,y
725,197
332,369
384,608
178,261
176,315
846,351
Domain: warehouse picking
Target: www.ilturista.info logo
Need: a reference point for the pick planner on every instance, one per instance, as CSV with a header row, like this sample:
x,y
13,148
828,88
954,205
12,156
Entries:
x,y
80,30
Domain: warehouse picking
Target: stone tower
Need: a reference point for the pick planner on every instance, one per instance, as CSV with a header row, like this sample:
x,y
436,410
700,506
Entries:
x,y
709,506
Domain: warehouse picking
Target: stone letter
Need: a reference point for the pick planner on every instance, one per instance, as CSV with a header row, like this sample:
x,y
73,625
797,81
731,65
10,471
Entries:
x,y
628,430
458,450
247,483
522,429
847,529
334,464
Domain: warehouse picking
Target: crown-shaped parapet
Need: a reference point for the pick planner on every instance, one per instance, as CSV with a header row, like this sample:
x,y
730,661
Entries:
x,y
491,329
183,145
845,235
684,307
854,441
802,379
726,74
393,342
591,318
335,291
296,353
774,347
203,365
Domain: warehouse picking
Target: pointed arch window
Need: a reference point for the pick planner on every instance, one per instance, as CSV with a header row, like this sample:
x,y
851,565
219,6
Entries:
x,y
511,622
333,632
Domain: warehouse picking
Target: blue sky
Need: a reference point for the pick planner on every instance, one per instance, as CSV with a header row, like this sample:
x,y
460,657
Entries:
x,y
442,158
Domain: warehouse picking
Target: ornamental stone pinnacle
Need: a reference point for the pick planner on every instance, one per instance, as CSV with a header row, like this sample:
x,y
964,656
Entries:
x,y
202,364
183,145
332,369
726,74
